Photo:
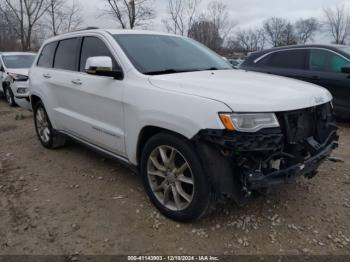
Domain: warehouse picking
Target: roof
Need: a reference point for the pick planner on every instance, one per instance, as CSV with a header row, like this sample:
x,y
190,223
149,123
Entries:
x,y
335,48
332,47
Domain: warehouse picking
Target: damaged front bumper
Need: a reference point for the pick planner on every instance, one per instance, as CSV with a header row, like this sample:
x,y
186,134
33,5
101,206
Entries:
x,y
270,157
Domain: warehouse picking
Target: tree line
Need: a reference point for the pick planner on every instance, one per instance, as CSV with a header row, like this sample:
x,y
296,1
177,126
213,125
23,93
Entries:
x,y
24,24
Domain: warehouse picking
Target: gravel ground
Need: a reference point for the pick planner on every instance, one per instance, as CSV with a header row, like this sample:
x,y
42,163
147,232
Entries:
x,y
74,201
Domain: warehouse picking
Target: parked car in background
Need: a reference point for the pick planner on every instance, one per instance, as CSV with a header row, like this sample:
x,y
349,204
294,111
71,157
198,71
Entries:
x,y
235,62
14,82
193,128
324,65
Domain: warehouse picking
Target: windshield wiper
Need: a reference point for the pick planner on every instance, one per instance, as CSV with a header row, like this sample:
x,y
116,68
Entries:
x,y
167,71
175,71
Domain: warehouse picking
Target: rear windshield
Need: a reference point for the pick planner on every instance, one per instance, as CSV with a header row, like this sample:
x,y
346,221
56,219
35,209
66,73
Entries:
x,y
18,61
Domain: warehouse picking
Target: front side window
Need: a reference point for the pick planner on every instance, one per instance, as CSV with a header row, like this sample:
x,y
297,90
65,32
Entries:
x,y
18,61
93,46
66,54
161,54
326,61
47,55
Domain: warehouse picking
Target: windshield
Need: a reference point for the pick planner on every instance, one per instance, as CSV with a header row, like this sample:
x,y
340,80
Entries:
x,y
345,49
18,61
158,54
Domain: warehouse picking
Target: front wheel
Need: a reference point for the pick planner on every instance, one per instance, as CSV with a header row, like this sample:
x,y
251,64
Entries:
x,y
10,99
174,178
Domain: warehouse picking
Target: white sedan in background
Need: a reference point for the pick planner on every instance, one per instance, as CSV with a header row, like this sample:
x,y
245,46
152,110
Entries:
x,y
14,82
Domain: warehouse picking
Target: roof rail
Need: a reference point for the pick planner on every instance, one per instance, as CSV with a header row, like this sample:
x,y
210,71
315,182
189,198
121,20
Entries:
x,y
91,28
87,28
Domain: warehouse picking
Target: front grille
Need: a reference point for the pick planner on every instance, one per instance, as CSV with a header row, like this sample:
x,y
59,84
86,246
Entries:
x,y
316,122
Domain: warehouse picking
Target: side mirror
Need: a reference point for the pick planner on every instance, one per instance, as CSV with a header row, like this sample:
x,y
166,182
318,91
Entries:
x,y
345,69
2,69
102,66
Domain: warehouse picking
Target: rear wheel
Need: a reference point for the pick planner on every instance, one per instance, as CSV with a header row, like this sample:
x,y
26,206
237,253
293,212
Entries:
x,y
46,134
174,178
10,99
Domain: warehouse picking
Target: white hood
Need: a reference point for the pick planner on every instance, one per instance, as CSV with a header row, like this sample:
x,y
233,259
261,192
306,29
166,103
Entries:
x,y
19,71
246,91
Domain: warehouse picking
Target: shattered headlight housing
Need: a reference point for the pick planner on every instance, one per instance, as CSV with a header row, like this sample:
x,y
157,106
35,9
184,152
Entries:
x,y
18,77
249,123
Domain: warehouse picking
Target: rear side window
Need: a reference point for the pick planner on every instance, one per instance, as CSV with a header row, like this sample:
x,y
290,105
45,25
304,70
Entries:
x,y
93,46
293,59
47,55
66,54
326,61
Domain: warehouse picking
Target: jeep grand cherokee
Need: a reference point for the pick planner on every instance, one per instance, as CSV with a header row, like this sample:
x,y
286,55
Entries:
x,y
194,128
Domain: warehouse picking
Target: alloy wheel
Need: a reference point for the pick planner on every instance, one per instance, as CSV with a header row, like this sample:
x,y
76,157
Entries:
x,y
171,178
42,124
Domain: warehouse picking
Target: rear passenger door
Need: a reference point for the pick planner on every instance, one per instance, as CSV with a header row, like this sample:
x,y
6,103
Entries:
x,y
325,70
289,63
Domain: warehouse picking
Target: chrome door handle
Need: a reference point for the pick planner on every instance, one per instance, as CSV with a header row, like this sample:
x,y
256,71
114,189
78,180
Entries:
x,y
47,76
77,82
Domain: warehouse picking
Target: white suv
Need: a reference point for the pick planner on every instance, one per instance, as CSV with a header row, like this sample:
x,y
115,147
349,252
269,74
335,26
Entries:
x,y
193,127
14,67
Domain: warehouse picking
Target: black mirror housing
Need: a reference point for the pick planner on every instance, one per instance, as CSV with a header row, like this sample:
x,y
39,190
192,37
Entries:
x,y
116,74
2,69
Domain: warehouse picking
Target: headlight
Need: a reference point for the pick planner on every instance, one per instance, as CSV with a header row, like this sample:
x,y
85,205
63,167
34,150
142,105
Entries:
x,y
18,77
249,122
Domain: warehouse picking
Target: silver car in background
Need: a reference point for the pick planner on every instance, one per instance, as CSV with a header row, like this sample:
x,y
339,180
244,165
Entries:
x,y
14,80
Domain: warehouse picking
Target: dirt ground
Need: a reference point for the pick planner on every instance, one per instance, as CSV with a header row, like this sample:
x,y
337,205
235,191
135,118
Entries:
x,y
74,201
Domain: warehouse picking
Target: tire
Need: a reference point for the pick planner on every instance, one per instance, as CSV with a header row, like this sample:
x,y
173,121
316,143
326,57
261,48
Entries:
x,y
193,200
10,98
48,137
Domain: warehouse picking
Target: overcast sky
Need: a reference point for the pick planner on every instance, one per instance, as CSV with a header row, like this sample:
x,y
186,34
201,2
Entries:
x,y
247,13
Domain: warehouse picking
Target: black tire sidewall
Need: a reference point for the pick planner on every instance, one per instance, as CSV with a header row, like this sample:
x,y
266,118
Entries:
x,y
202,193
49,144
8,89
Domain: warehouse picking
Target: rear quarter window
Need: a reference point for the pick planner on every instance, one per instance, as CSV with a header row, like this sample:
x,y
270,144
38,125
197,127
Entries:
x,y
46,56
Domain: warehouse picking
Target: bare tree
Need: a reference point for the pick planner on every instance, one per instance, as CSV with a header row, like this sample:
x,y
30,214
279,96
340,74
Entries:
x,y
337,24
288,36
279,32
8,36
74,17
64,17
181,15
130,13
249,40
219,16
206,32
305,30
27,14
